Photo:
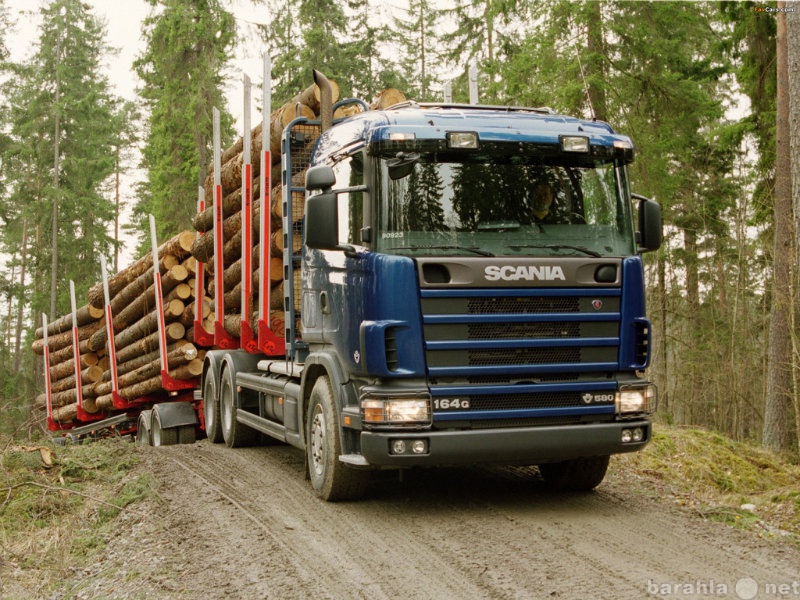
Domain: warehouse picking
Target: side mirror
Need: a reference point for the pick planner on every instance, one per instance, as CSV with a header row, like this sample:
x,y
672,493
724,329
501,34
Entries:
x,y
320,177
650,226
322,219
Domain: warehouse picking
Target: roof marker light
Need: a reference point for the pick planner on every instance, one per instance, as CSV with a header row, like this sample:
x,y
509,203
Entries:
x,y
401,136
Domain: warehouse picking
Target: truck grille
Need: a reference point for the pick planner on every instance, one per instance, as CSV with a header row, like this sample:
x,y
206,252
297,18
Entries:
x,y
523,356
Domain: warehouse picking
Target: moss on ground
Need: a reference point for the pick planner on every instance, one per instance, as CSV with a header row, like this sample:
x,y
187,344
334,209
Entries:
x,y
734,482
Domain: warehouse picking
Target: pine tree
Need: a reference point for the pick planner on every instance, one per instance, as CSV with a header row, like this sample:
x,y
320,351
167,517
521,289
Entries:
x,y
60,153
188,46
415,35
485,35
284,41
323,26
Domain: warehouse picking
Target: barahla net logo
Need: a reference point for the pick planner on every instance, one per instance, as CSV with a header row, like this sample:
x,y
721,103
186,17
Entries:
x,y
745,588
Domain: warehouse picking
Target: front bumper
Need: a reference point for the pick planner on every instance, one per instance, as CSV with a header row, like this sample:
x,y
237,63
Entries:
x,y
521,446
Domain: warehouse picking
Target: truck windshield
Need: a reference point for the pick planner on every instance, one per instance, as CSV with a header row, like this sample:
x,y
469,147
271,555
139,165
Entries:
x,y
504,206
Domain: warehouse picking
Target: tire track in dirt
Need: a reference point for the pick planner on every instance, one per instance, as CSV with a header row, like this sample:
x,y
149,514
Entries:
x,y
446,534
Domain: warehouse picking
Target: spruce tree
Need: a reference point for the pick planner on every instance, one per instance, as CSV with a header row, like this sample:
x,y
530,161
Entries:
x,y
415,35
60,153
189,43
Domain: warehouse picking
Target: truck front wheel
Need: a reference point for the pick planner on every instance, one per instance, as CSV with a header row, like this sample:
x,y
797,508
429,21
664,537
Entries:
x,y
330,478
578,475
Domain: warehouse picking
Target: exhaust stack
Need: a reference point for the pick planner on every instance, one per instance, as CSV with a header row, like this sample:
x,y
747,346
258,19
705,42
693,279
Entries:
x,y
325,100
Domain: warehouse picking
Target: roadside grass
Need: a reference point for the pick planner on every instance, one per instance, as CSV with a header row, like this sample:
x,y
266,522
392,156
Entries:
x,y
57,508
734,482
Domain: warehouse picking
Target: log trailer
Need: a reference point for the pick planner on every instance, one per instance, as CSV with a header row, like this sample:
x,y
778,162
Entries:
x,y
461,284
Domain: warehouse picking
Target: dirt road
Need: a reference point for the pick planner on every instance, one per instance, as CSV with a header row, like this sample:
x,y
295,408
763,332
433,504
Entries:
x,y
245,524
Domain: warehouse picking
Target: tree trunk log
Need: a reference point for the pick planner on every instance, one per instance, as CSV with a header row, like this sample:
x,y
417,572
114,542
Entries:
x,y
62,340
84,315
139,306
178,246
174,331
386,98
175,358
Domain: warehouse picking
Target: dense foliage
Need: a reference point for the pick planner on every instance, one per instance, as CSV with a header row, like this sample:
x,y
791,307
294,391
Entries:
x,y
694,84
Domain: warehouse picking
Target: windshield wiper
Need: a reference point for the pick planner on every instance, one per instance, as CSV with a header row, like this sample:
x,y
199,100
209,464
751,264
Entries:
x,y
556,247
475,250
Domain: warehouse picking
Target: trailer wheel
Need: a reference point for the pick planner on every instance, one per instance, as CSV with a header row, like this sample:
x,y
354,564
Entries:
x,y
161,436
234,433
330,478
187,434
143,429
211,403
579,475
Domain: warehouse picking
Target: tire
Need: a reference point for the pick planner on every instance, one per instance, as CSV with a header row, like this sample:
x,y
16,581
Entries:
x,y
187,434
142,432
161,436
579,475
331,479
234,433
211,415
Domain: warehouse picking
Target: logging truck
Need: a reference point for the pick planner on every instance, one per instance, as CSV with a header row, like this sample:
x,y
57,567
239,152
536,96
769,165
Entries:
x,y
419,285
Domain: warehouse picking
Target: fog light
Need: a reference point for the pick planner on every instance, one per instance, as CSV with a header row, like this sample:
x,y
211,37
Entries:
x,y
627,436
638,434
398,447
419,447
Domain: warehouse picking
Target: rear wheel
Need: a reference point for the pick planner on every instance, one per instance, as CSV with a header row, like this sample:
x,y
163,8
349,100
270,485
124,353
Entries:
x,y
211,403
187,434
161,436
330,478
578,475
234,433
142,430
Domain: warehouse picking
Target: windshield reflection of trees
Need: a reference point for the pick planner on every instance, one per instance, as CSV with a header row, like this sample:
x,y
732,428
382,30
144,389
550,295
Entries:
x,y
488,193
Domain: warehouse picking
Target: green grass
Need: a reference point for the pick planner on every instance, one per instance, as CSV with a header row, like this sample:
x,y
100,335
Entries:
x,y
718,476
53,518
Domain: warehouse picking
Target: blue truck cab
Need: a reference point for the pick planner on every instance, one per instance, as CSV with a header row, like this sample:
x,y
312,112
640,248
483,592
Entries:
x,y
475,275
465,286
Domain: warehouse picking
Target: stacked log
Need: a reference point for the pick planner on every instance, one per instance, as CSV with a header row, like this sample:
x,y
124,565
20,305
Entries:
x,y
132,291
305,104
132,296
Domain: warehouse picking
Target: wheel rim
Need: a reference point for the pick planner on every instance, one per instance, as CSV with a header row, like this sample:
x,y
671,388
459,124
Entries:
x,y
317,444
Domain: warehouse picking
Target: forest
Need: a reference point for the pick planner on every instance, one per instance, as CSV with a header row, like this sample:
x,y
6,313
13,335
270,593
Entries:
x,y
708,91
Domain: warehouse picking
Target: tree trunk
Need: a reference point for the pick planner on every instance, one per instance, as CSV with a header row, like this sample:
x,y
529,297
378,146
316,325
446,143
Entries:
x,y
793,59
139,306
62,340
20,303
595,73
178,246
776,433
175,358
174,332
84,315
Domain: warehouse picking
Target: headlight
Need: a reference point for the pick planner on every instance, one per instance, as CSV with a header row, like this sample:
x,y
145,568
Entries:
x,y
396,411
637,400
